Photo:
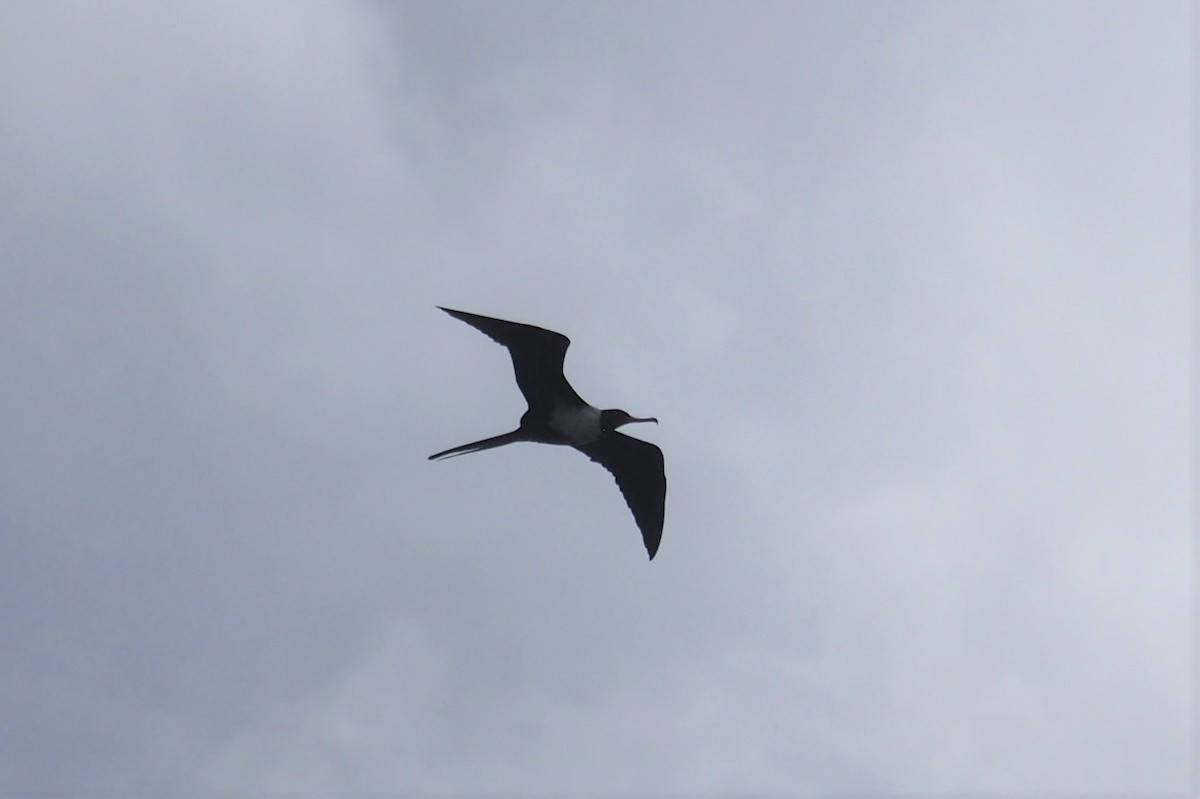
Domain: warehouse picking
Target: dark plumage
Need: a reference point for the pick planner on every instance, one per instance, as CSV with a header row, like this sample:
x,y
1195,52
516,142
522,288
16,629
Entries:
x,y
557,415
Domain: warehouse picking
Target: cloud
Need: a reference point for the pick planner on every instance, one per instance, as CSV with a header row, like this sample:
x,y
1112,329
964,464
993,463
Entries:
x,y
912,309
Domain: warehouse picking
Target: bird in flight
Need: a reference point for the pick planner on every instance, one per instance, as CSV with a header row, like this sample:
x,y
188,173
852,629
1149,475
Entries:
x,y
557,415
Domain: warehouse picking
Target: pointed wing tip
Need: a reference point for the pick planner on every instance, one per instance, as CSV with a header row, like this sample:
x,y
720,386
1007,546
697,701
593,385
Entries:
x,y
637,467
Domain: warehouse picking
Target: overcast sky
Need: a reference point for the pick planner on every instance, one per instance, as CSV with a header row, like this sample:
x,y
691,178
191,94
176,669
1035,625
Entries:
x,y
907,285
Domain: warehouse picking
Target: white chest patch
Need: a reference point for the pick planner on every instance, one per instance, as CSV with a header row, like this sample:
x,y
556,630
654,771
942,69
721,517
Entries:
x,y
579,426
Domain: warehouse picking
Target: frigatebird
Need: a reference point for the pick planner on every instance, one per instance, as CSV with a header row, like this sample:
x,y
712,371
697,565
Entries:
x,y
557,415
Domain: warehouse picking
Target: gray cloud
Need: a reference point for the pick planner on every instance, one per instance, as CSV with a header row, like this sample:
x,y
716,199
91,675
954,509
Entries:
x,y
906,284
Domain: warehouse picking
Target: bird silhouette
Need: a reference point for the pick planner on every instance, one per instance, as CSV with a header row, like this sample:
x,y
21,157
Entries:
x,y
557,415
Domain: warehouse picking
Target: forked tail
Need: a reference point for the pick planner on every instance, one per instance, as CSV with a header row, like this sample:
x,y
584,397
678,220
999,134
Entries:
x,y
476,446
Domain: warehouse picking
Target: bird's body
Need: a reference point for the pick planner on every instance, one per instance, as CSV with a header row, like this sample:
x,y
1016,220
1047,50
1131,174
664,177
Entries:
x,y
557,415
576,425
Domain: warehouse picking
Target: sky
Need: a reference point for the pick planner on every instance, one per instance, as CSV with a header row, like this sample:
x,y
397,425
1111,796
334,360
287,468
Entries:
x,y
907,284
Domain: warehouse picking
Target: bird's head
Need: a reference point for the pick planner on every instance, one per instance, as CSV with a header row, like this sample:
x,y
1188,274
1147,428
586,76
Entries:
x,y
612,419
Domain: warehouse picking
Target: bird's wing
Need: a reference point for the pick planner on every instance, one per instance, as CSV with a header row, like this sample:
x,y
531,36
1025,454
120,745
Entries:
x,y
638,467
537,356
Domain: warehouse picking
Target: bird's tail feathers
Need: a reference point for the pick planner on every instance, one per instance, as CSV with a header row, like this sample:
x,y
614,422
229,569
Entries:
x,y
477,446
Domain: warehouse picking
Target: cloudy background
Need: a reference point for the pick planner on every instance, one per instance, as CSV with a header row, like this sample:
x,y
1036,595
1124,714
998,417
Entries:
x,y
907,284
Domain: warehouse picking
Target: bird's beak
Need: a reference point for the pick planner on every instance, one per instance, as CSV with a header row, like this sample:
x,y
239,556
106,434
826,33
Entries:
x,y
647,419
